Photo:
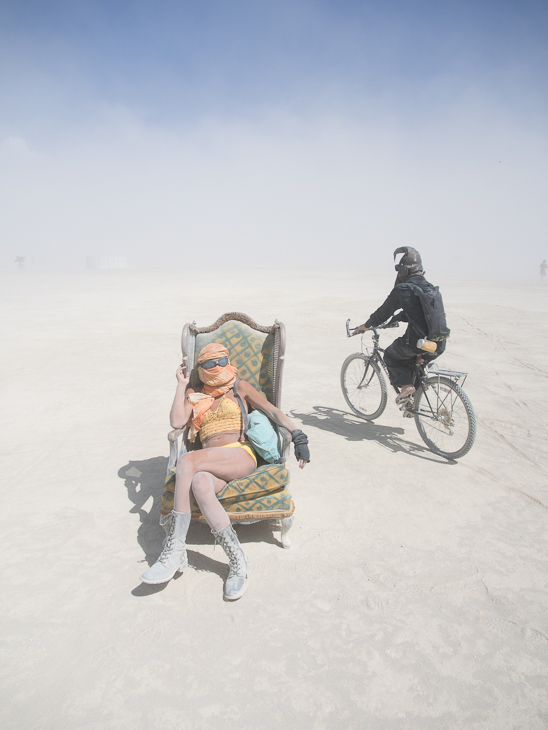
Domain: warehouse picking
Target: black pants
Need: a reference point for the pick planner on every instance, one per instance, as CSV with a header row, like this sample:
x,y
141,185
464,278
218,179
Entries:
x,y
400,357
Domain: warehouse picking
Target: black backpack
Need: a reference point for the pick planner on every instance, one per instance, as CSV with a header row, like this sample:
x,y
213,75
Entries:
x,y
434,313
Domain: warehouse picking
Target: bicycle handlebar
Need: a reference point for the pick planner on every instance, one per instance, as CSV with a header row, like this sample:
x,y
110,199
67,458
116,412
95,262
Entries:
x,y
348,328
351,331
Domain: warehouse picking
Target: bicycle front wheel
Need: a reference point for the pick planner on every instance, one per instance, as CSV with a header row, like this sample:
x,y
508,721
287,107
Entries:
x,y
444,417
363,386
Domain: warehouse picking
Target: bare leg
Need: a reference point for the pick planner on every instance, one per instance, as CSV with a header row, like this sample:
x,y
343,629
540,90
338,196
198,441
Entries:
x,y
224,464
205,488
206,472
406,391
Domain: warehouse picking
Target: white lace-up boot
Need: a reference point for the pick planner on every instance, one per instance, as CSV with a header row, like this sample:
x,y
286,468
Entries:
x,y
173,557
239,564
165,524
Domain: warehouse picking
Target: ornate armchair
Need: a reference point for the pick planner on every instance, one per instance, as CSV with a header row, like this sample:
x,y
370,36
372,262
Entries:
x,y
258,353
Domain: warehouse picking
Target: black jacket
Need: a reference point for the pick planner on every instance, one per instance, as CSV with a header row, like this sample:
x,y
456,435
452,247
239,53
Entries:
x,y
402,297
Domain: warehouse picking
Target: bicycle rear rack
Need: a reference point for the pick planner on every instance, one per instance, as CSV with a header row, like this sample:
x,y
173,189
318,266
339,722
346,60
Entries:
x,y
453,374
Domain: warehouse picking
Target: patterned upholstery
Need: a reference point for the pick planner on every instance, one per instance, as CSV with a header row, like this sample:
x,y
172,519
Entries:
x,y
258,357
249,350
260,491
279,504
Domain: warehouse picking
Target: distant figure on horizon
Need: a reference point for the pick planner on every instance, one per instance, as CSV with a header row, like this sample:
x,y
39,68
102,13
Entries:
x,y
20,261
418,339
543,268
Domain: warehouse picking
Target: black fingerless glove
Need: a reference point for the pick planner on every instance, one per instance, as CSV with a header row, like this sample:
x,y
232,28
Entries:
x,y
300,442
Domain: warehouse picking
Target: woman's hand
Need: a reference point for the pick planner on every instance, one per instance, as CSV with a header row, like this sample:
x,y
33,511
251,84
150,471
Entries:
x,y
300,441
181,408
182,376
300,444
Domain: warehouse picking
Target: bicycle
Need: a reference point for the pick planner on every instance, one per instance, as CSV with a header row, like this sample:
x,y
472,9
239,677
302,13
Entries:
x,y
443,413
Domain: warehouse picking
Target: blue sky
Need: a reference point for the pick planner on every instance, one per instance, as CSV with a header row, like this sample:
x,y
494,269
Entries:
x,y
144,128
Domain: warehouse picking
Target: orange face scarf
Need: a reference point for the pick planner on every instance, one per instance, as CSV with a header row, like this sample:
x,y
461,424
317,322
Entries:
x,y
216,381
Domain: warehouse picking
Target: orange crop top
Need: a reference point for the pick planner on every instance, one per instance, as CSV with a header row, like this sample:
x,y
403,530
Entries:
x,y
227,417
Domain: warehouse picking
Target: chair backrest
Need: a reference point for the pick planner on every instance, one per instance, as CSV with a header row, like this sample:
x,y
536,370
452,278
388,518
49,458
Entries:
x,y
258,352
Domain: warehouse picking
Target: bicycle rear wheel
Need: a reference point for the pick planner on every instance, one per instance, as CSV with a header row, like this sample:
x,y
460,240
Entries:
x,y
444,417
363,386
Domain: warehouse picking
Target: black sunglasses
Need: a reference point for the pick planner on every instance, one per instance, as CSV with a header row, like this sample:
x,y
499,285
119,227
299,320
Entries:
x,y
208,364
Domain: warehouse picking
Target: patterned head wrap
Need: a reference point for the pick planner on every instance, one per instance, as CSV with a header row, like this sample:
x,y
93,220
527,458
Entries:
x,y
217,381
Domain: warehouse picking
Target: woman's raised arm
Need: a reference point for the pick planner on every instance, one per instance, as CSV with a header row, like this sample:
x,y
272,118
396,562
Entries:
x,y
181,409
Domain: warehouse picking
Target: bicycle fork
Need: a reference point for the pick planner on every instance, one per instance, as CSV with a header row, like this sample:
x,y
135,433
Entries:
x,y
360,384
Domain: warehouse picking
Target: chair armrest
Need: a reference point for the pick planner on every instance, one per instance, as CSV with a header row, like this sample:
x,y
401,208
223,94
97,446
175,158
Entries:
x,y
285,440
173,438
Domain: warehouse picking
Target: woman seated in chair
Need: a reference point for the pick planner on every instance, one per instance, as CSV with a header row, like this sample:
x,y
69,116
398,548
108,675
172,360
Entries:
x,y
214,415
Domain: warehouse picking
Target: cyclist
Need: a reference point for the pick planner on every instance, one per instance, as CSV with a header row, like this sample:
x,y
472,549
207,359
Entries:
x,y
402,353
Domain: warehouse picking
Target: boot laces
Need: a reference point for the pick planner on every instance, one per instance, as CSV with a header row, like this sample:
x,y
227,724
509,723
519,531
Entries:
x,y
236,559
168,547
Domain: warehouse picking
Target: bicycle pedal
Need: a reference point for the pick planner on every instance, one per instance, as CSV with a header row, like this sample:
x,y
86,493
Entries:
x,y
408,414
404,403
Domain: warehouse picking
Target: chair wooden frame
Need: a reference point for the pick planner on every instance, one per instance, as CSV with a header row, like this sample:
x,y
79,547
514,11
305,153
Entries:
x,y
178,438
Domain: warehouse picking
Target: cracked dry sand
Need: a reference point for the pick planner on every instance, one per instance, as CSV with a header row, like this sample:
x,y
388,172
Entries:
x,y
415,593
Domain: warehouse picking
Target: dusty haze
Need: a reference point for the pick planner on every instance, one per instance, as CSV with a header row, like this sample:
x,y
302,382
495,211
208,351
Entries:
x,y
268,158
326,133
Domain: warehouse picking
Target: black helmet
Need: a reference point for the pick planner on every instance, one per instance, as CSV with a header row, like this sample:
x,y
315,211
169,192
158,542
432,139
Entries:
x,y
410,263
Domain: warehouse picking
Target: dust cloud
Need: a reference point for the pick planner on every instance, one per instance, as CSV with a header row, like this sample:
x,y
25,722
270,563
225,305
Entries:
x,y
334,191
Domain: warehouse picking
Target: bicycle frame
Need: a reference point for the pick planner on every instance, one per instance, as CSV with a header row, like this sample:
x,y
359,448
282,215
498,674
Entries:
x,y
440,408
374,354
421,369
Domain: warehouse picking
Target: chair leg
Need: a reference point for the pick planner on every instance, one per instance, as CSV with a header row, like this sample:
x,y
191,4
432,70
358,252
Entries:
x,y
287,523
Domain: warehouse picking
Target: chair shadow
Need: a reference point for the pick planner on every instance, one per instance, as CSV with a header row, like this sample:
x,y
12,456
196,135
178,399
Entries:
x,y
261,531
353,428
144,481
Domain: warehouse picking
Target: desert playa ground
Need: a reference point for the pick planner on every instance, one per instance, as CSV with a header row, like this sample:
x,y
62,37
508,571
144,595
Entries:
x,y
415,594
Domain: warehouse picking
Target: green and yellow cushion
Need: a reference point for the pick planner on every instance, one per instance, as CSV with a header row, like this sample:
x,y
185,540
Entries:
x,y
278,504
249,350
262,493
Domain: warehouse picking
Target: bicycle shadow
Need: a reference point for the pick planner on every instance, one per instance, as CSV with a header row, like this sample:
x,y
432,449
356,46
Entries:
x,y
353,428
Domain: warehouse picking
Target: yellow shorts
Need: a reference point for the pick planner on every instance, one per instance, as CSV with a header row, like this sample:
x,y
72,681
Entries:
x,y
244,445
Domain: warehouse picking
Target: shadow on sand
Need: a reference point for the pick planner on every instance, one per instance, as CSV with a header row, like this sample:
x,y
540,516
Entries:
x,y
144,481
353,428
